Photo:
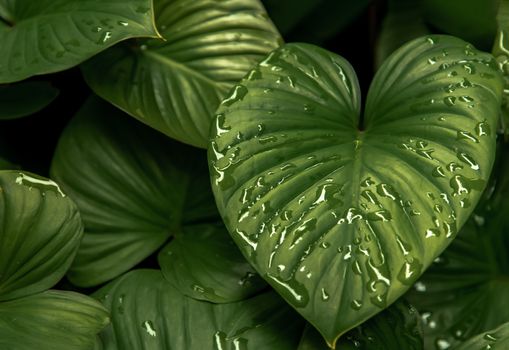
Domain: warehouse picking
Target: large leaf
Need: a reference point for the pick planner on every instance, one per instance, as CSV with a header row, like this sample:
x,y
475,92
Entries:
x,y
323,202
501,52
496,339
397,327
19,100
40,231
46,36
134,188
204,263
466,291
176,85
148,313
52,320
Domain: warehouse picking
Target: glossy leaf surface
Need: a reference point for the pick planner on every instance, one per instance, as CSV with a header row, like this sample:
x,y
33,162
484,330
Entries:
x,y
46,36
52,320
134,188
40,231
496,339
465,291
397,327
176,85
204,263
322,202
501,52
148,313
22,99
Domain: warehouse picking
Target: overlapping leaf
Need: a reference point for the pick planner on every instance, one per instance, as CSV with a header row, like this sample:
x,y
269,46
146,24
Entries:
x,y
176,85
46,36
40,231
501,52
323,202
51,320
496,339
134,187
148,313
19,100
204,263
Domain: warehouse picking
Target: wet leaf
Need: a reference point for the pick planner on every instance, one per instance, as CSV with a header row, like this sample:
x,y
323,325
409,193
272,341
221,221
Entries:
x,y
40,233
496,339
46,36
323,202
148,313
176,85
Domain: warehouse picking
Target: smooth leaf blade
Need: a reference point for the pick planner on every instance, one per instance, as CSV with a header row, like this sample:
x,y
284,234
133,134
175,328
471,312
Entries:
x,y
134,188
51,320
67,32
25,98
175,86
306,191
203,263
156,311
41,232
495,339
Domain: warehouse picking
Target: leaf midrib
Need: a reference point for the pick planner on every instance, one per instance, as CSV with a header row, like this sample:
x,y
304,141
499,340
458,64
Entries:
x,y
153,55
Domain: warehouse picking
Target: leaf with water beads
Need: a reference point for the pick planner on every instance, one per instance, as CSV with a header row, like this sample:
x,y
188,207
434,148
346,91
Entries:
x,y
325,206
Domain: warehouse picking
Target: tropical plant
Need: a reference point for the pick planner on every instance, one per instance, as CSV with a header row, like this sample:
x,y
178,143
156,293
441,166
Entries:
x,y
205,185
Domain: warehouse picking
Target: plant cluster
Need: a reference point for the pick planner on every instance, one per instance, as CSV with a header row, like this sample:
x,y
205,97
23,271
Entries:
x,y
204,183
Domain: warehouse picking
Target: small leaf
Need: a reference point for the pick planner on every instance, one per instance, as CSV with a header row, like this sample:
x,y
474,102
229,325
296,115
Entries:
x,y
148,313
323,202
465,291
397,327
22,99
496,339
46,36
134,187
40,233
204,263
51,320
176,85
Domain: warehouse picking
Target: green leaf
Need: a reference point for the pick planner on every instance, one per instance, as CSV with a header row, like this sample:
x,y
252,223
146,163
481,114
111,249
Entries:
x,y
25,98
466,290
176,85
471,20
148,313
501,52
404,22
5,164
134,187
51,320
397,327
204,263
496,339
46,36
40,233
323,202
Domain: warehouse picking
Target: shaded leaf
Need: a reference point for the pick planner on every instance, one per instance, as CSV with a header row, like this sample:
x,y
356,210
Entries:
x,y
40,233
496,339
25,98
501,52
47,36
148,313
134,187
176,85
304,185
51,320
204,263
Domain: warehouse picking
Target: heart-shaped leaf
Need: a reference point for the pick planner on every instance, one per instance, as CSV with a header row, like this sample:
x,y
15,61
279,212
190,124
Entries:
x,y
342,213
204,263
465,291
46,36
397,327
19,100
176,85
134,188
52,320
40,231
496,339
148,313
